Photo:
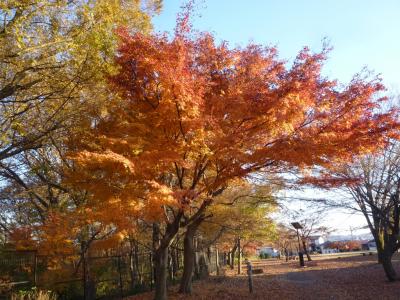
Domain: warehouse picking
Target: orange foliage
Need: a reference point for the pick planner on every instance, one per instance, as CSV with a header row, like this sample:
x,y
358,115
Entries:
x,y
21,237
345,245
189,115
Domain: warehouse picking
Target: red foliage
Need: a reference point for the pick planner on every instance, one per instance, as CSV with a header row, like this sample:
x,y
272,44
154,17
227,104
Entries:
x,y
188,116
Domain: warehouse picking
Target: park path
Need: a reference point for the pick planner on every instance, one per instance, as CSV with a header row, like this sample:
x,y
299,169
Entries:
x,y
346,278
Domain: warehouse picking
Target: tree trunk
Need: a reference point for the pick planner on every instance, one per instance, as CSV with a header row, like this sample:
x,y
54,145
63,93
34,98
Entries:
x,y
134,264
175,263
132,268
306,251
179,259
196,261
139,272
233,252
89,289
387,266
160,250
380,255
189,257
160,264
203,265
170,268
216,261
380,250
239,256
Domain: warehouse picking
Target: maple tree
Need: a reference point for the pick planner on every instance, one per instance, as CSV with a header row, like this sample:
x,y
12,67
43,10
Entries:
x,y
189,116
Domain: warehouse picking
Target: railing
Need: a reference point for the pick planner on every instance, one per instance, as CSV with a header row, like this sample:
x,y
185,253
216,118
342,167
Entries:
x,y
107,275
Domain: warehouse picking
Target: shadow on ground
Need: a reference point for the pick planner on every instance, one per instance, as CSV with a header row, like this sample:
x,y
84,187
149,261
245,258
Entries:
x,y
342,279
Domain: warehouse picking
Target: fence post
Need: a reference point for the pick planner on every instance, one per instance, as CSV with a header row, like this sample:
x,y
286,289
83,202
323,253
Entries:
x,y
250,275
217,259
120,277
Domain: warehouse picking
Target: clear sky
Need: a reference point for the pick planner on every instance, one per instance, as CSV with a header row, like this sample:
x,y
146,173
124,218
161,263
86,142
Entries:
x,y
362,33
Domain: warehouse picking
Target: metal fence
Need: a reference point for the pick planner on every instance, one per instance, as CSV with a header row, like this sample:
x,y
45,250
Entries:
x,y
110,276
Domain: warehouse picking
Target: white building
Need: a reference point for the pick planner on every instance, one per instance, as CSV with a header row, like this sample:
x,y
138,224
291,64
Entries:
x,y
316,243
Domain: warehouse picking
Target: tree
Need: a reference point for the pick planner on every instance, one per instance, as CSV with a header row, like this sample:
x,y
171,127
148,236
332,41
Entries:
x,y
373,184
190,116
54,57
311,223
353,245
52,54
54,60
286,240
239,218
345,245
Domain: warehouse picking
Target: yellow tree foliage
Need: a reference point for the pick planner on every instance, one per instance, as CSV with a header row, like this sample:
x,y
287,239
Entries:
x,y
54,58
52,53
242,211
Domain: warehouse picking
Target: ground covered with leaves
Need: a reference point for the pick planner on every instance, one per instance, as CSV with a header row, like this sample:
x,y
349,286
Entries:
x,y
355,277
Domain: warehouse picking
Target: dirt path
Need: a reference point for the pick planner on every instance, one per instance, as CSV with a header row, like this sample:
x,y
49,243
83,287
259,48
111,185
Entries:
x,y
342,279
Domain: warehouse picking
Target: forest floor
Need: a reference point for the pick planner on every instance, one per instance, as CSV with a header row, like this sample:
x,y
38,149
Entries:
x,y
344,277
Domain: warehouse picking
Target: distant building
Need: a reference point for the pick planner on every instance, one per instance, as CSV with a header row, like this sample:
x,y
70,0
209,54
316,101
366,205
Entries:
x,y
370,246
272,252
329,251
315,243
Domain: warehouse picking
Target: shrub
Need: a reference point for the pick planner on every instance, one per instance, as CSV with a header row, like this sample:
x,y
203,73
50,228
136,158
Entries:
x,y
264,255
34,294
5,285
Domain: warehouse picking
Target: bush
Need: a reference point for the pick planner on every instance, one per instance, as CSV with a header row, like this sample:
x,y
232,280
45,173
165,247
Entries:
x,y
264,255
34,294
5,285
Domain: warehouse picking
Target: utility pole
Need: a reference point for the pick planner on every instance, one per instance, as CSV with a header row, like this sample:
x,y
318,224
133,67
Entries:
x,y
351,233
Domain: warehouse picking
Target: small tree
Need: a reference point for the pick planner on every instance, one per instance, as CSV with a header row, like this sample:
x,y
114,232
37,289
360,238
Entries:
x,y
286,240
311,222
244,214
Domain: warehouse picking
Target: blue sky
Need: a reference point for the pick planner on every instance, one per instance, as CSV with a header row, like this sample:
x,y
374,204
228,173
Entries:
x,y
363,33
